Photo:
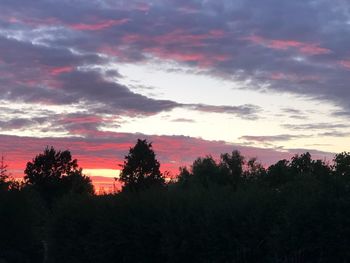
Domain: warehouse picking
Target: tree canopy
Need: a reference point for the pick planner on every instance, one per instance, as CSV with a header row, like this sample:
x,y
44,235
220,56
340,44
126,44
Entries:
x,y
229,209
3,174
54,173
141,168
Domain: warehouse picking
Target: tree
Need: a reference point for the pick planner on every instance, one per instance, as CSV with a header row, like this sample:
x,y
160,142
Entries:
x,y
342,164
254,169
233,162
184,176
278,173
206,171
4,184
54,173
233,165
301,164
141,168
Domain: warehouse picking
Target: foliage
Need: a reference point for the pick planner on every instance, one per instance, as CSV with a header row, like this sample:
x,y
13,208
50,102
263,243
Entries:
x,y
141,168
226,210
7,182
21,218
54,173
305,221
3,170
342,164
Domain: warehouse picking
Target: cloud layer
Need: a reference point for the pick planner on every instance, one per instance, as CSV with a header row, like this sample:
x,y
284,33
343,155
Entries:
x,y
59,69
288,46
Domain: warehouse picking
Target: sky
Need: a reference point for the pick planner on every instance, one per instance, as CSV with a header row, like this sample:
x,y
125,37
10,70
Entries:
x,y
194,77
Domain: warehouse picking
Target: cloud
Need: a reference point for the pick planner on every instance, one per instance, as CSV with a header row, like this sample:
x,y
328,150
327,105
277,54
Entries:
x,y
273,138
99,25
55,75
247,111
183,120
334,134
59,53
315,126
279,45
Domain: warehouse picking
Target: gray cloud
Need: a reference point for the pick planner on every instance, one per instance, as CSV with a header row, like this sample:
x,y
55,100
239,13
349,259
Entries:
x,y
285,46
334,134
52,75
315,126
183,120
247,111
273,138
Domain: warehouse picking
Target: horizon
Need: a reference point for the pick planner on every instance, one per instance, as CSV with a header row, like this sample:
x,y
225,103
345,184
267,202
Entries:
x,y
195,78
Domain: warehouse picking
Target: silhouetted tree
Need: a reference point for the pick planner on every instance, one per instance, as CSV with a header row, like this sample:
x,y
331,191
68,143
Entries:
x,y
342,164
7,182
234,162
278,173
301,164
3,174
184,176
254,169
3,170
205,171
54,173
321,169
141,168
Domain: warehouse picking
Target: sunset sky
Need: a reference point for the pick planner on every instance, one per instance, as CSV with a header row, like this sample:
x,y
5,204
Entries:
x,y
267,77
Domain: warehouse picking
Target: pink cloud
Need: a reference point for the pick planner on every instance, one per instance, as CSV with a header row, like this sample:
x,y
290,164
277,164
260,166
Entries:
x,y
173,46
293,77
60,70
302,47
175,37
344,63
98,25
144,7
203,60
181,37
31,21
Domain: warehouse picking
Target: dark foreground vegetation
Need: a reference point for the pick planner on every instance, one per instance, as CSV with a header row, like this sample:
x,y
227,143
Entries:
x,y
231,210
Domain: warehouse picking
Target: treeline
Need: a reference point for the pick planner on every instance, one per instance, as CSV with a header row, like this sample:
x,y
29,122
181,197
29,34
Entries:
x,y
226,210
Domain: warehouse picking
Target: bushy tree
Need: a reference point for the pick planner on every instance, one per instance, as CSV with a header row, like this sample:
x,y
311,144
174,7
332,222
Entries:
x,y
184,176
254,169
342,164
7,182
234,163
141,168
278,173
228,171
301,164
3,170
3,174
54,173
